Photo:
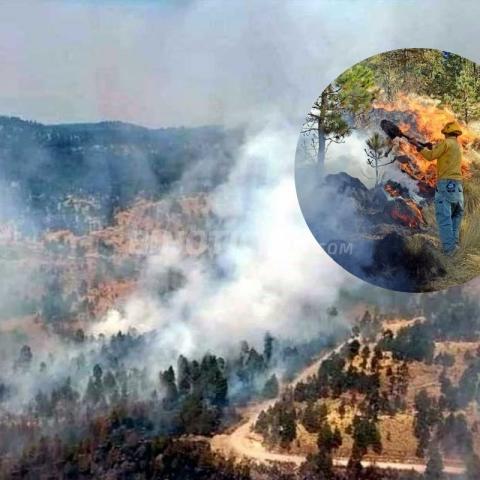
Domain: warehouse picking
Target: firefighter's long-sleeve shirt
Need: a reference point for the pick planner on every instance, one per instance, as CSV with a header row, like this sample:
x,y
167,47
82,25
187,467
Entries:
x,y
448,154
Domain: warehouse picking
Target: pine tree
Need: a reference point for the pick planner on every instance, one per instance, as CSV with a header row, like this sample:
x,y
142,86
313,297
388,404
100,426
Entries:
x,y
337,439
167,381
434,470
271,387
323,465
94,393
97,372
287,423
365,356
25,358
311,419
350,95
262,423
465,98
353,349
366,434
325,438
267,348
183,376
220,390
377,152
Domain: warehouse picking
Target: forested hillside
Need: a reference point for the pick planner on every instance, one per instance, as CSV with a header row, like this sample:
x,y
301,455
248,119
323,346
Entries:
x,y
50,172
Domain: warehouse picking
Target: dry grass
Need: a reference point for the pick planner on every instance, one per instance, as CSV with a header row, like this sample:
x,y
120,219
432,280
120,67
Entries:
x,y
416,243
465,265
399,442
396,324
426,376
398,439
429,215
472,194
470,230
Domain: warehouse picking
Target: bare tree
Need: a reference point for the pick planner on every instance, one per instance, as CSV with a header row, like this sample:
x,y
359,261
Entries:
x,y
377,149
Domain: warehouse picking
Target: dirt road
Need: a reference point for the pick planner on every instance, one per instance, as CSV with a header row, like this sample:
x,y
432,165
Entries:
x,y
242,442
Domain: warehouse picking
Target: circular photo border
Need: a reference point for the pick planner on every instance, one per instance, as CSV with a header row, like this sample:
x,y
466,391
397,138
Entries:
x,y
387,170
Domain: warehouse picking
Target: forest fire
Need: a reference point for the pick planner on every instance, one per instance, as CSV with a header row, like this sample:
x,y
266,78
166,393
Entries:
x,y
422,120
394,189
416,218
406,212
403,209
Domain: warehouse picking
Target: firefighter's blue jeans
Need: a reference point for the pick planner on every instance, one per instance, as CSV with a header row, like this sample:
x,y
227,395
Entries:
x,y
449,212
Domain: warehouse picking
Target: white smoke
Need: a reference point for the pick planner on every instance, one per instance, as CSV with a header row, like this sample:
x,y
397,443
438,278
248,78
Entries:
x,y
143,63
273,265
349,156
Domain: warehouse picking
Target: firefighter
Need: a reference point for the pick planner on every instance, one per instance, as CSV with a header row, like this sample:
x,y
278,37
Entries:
x,y
449,189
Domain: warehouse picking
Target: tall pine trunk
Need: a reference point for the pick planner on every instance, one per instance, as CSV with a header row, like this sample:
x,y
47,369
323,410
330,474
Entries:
x,y
321,134
321,152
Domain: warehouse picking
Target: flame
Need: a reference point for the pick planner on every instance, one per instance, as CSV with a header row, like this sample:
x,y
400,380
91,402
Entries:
x,y
403,209
406,212
392,191
427,121
418,218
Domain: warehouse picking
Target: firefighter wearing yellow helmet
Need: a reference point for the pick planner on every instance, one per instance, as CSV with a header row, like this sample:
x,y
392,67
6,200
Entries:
x,y
449,189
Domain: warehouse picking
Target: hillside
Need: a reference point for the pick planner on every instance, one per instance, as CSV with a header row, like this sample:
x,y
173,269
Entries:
x,y
393,392
76,278
79,400
51,173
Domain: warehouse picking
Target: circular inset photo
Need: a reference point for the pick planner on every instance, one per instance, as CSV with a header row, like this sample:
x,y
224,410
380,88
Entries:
x,y
387,170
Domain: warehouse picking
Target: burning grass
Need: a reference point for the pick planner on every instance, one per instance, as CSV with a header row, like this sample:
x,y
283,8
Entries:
x,y
423,119
394,228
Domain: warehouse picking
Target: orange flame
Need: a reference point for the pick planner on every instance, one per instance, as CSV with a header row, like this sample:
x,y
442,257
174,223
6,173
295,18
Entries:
x,y
406,212
428,123
391,190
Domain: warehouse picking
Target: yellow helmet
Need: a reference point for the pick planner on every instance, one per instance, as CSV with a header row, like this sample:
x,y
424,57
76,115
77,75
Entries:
x,y
452,128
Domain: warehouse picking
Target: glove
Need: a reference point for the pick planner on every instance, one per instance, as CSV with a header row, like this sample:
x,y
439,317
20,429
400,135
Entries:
x,y
428,145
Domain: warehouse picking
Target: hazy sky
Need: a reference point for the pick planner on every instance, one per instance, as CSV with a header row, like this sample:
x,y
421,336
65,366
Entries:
x,y
170,63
